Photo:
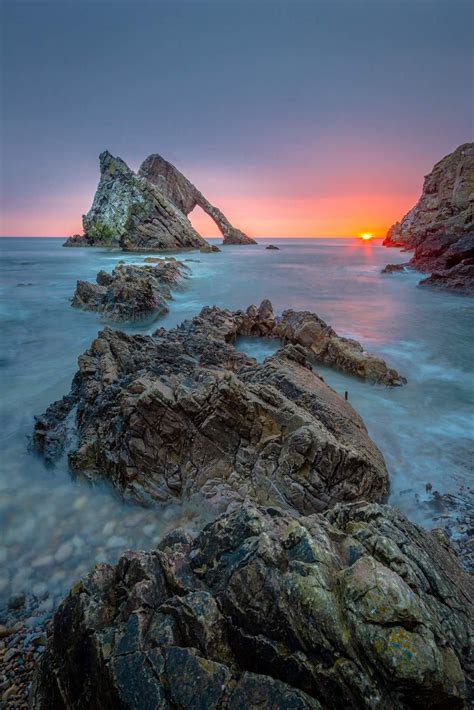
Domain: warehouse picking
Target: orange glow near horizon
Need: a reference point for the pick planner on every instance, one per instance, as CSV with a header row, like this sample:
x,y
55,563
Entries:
x,y
259,215
366,236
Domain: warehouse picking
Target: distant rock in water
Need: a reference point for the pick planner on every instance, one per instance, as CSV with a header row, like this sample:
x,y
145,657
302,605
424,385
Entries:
x,y
147,212
395,268
182,414
182,193
211,248
357,608
131,292
272,246
440,226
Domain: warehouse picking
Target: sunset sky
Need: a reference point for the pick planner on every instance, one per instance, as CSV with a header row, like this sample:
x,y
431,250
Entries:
x,y
296,118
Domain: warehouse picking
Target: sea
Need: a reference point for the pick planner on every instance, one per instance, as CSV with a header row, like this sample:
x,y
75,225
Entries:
x,y
55,527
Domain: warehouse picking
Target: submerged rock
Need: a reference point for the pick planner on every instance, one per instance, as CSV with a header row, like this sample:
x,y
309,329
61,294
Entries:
x,y
184,414
440,226
358,608
131,292
272,246
182,193
395,268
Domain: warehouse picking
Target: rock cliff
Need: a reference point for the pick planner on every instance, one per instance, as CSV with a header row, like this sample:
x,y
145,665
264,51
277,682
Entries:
x,y
147,212
357,608
183,414
131,292
440,226
182,193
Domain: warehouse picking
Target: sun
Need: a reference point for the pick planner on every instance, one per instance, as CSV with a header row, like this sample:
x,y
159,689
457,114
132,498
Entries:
x,y
366,236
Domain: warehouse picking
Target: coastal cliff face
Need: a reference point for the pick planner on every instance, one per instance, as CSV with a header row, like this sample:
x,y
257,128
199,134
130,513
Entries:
x,y
357,608
440,226
147,212
182,193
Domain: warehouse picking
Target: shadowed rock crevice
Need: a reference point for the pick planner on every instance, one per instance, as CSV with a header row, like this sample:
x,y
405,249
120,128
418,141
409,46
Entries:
x,y
183,414
358,608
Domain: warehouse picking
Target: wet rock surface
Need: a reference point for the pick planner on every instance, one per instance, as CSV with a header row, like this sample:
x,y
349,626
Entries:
x,y
183,414
182,193
440,226
356,608
131,292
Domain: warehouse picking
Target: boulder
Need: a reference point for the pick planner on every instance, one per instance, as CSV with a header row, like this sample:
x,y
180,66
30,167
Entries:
x,y
272,246
182,193
183,414
358,608
131,292
440,226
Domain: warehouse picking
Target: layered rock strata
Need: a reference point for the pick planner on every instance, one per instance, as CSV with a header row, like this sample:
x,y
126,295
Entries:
x,y
184,414
182,193
131,292
439,228
144,213
357,608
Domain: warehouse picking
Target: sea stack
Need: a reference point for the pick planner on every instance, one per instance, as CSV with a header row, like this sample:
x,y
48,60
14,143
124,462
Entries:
x,y
440,226
147,211
182,193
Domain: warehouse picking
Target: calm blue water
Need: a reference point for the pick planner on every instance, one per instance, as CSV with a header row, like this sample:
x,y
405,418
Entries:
x,y
54,528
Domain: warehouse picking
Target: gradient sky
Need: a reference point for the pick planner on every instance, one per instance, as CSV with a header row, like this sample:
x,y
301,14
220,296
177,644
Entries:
x,y
296,118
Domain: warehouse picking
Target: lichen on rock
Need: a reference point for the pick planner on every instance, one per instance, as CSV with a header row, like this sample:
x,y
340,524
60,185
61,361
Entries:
x,y
357,608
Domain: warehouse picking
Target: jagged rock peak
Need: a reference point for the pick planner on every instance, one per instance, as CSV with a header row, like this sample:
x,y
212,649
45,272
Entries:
x,y
186,196
440,226
111,166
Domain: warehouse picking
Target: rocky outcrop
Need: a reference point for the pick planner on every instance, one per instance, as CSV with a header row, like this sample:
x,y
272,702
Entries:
x,y
182,193
357,608
131,292
130,212
459,278
272,247
183,414
440,226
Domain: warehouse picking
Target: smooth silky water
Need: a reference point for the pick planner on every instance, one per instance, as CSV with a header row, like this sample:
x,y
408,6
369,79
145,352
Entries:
x,y
53,527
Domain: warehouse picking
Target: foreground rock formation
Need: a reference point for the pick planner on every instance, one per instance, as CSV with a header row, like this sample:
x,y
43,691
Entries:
x,y
184,414
182,193
357,608
440,226
131,292
147,212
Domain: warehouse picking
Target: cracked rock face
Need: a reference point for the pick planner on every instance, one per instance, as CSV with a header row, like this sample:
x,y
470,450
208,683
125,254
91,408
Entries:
x,y
147,212
440,226
183,414
131,292
182,193
358,608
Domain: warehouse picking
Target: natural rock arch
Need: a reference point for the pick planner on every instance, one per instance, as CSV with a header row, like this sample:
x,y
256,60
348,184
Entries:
x,y
182,193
